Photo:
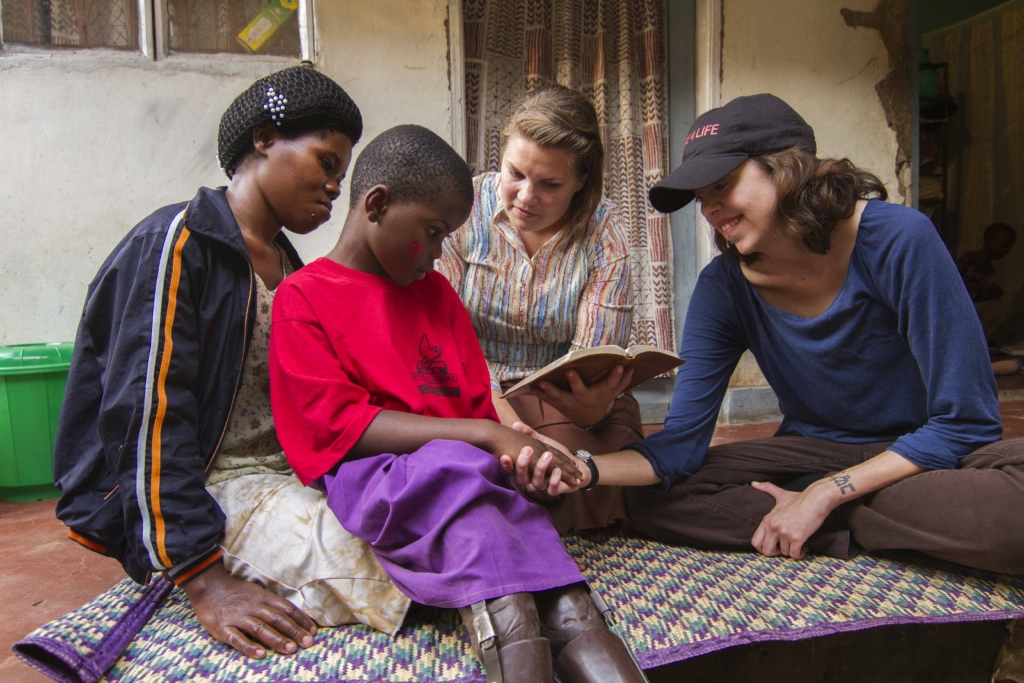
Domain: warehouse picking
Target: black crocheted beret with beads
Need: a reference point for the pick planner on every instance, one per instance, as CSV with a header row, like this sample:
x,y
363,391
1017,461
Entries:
x,y
295,98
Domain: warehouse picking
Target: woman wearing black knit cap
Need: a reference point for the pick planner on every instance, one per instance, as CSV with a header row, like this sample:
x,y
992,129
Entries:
x,y
166,451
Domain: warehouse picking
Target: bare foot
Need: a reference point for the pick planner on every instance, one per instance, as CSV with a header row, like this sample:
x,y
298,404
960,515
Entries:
x,y
231,609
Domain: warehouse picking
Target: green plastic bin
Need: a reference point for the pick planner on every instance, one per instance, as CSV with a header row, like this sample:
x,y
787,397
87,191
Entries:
x,y
32,379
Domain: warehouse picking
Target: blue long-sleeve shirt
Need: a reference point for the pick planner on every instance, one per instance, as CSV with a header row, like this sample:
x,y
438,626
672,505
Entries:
x,y
899,355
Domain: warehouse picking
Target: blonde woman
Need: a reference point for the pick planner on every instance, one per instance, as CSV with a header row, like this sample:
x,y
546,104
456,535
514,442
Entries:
x,y
542,267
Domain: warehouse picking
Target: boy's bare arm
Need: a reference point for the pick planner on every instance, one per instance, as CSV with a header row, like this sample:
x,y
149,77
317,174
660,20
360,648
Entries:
x,y
397,432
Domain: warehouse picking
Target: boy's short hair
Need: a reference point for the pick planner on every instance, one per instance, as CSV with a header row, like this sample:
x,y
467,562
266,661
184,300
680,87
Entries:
x,y
415,164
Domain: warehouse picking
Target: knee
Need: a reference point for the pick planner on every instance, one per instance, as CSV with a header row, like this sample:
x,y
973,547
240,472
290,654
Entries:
x,y
1001,559
648,512
644,503
639,504
1007,544
1000,454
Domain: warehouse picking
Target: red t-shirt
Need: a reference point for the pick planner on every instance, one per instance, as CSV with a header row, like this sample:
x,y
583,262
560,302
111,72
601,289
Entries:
x,y
345,345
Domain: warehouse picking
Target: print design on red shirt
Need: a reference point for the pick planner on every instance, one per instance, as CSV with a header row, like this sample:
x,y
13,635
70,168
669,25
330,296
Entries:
x,y
433,372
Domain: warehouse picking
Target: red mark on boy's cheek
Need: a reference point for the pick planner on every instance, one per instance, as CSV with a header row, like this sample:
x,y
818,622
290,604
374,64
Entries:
x,y
414,248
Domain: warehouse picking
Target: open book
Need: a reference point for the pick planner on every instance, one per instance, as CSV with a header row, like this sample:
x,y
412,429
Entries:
x,y
595,363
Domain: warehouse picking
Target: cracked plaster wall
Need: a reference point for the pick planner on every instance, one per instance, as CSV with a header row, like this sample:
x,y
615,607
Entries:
x,y
891,19
93,143
805,52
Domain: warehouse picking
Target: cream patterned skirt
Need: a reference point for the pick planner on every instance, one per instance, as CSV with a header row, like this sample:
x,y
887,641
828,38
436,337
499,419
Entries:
x,y
281,535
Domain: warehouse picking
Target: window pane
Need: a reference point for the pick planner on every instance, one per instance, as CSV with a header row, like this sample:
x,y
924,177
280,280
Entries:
x,y
72,23
268,28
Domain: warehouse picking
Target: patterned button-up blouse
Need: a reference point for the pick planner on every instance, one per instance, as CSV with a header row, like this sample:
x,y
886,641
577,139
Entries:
x,y
527,312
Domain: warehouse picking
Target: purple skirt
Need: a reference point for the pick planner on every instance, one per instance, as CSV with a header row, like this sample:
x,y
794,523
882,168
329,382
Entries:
x,y
447,525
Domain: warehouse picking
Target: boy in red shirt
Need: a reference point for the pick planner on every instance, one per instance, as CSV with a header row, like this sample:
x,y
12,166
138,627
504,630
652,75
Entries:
x,y
381,395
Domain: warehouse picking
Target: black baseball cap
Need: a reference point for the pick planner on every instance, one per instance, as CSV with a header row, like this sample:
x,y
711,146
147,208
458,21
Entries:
x,y
723,138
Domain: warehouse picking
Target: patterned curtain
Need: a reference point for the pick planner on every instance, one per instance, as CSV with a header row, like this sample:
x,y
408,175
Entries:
x,y
614,52
986,142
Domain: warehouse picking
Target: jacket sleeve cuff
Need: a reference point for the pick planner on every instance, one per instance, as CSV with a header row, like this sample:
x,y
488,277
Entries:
x,y
93,543
189,569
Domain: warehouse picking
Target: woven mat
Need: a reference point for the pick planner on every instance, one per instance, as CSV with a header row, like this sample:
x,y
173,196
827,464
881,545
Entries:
x,y
672,603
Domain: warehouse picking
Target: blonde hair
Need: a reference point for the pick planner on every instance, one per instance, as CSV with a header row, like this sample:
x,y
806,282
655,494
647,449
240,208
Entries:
x,y
559,118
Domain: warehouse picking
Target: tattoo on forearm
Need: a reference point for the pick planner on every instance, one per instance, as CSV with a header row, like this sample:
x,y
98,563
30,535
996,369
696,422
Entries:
x,y
842,481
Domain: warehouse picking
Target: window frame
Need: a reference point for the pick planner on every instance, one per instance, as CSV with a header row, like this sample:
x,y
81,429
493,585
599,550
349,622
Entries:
x,y
457,75
154,42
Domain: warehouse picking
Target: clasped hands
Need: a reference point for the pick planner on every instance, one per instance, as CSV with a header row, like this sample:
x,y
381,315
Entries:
x,y
549,475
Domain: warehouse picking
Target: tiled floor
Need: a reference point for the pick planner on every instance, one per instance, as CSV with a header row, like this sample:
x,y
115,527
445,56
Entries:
x,y
45,575
1013,419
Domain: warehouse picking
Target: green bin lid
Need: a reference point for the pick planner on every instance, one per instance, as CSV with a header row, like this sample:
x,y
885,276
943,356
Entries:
x,y
23,359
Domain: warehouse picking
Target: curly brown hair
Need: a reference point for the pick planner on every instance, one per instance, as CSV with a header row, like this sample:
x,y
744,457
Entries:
x,y
814,195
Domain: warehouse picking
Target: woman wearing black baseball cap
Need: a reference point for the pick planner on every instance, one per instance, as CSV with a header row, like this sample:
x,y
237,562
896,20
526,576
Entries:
x,y
855,313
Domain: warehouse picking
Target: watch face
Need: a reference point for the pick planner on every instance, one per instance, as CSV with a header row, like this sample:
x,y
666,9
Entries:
x,y
586,457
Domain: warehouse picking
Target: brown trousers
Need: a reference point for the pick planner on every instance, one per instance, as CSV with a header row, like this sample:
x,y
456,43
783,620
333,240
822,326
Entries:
x,y
600,506
973,515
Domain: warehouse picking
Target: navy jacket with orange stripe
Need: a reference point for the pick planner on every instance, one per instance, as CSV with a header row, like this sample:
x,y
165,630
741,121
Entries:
x,y
157,362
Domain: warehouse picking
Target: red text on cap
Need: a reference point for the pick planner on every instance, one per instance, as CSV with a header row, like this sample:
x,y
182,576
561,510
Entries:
x,y
710,129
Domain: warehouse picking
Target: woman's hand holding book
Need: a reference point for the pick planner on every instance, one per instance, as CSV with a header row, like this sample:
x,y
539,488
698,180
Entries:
x,y
585,405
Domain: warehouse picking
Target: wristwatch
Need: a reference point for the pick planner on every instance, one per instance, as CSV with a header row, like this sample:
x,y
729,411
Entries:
x,y
586,457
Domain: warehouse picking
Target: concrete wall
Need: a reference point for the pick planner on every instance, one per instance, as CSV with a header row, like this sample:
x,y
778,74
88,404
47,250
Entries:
x,y
92,142
807,54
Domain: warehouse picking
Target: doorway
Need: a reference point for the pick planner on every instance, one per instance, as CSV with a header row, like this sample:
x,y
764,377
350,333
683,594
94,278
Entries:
x,y
971,149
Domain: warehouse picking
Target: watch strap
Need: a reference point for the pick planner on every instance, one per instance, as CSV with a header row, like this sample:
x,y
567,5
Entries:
x,y
594,475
